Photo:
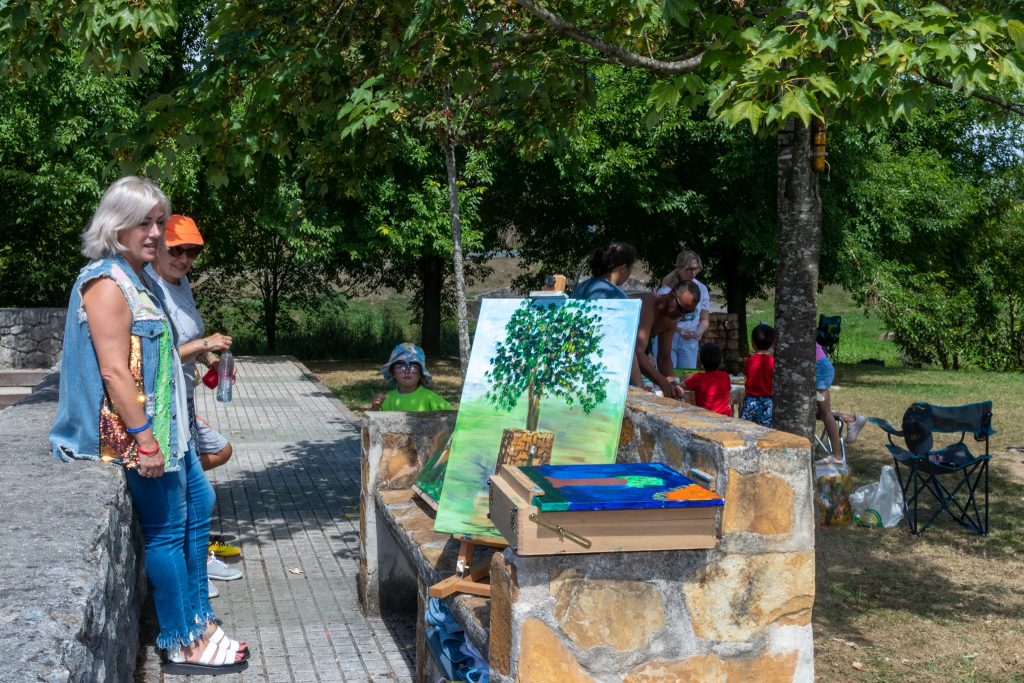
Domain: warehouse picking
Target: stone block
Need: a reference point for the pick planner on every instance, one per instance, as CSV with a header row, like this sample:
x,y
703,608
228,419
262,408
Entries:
x,y
725,439
741,595
778,440
544,659
617,613
399,462
674,455
761,503
710,668
504,593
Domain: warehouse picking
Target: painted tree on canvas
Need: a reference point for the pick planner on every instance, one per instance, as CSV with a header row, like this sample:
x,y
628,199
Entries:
x,y
550,349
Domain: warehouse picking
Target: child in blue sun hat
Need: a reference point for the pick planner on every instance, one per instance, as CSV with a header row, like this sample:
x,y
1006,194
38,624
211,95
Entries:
x,y
407,372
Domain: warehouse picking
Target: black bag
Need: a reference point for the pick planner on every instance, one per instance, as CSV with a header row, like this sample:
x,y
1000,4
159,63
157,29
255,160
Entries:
x,y
917,428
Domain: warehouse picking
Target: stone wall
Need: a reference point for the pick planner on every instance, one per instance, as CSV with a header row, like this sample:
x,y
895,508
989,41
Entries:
x,y
71,570
395,447
741,611
724,330
31,337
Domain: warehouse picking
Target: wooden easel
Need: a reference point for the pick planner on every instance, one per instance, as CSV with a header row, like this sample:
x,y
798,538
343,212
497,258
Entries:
x,y
468,579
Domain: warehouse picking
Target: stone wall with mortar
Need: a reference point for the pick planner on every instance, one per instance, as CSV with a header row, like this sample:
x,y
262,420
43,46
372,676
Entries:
x,y
31,337
741,611
724,330
395,447
72,572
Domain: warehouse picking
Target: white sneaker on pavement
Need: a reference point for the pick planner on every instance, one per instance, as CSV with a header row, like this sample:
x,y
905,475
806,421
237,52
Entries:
x,y
854,429
220,571
211,589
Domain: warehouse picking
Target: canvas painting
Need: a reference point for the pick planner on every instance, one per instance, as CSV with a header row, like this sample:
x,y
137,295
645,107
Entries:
x,y
625,486
546,384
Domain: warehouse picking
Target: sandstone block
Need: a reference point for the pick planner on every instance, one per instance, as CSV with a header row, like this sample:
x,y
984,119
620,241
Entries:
x,y
399,463
504,593
761,503
616,613
543,659
775,668
742,595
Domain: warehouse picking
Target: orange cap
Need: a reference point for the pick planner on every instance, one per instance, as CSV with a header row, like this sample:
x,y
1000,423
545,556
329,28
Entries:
x,y
181,230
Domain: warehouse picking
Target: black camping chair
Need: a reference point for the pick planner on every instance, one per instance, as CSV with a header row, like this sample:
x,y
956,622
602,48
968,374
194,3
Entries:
x,y
920,468
828,333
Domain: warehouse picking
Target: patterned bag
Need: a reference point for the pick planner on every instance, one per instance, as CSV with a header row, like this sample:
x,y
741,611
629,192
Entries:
x,y
116,444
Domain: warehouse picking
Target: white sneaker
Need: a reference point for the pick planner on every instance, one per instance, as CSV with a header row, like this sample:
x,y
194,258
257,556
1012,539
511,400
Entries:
x,y
853,431
211,589
218,570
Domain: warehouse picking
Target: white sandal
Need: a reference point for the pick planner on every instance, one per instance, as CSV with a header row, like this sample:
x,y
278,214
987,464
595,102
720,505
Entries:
x,y
213,662
221,640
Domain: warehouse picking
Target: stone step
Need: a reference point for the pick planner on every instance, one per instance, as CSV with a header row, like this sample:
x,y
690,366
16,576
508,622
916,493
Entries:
x,y
22,378
11,395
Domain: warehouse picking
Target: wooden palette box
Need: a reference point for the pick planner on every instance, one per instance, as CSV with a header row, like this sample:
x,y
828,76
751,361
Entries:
x,y
554,509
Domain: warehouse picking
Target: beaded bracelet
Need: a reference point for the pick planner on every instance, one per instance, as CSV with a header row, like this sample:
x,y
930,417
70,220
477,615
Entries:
x,y
140,450
144,427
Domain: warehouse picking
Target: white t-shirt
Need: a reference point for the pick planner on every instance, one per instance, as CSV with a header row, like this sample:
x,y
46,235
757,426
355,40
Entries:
x,y
691,321
181,309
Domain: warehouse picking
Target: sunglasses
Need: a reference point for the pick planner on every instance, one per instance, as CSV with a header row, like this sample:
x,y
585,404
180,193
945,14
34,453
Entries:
x,y
192,252
406,367
683,312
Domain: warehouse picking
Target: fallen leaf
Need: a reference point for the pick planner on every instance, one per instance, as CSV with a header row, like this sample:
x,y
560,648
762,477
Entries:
x,y
295,570
858,666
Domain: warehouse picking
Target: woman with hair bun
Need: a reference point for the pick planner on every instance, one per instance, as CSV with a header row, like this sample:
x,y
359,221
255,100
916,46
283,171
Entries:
x,y
609,268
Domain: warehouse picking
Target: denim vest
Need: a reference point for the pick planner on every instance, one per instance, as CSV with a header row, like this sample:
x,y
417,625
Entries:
x,y
75,431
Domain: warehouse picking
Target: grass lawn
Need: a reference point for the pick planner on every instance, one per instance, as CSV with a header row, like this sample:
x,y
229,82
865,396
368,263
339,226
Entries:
x,y
890,607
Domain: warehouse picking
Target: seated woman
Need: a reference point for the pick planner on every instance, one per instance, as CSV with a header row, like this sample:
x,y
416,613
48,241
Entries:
x,y
609,268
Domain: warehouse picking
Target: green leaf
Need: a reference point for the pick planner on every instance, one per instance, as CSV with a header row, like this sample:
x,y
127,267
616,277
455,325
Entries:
x,y
744,111
1015,29
824,84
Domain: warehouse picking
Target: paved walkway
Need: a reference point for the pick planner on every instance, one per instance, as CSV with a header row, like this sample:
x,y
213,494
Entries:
x,y
289,497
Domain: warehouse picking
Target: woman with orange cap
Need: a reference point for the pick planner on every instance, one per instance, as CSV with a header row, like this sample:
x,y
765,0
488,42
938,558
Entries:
x,y
169,274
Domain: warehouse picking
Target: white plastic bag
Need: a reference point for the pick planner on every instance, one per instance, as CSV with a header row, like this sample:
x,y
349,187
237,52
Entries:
x,y
879,504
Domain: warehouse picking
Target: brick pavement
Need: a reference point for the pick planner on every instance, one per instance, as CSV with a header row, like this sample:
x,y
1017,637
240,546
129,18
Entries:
x,y
289,497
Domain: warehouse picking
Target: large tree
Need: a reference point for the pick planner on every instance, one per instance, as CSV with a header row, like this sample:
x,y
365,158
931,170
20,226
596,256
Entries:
x,y
789,69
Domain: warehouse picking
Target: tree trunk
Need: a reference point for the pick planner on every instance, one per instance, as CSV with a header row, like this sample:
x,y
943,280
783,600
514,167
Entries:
x,y
736,296
796,281
431,281
460,279
532,412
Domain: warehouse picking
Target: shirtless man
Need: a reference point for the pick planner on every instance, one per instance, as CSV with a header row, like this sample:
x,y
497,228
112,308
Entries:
x,y
658,316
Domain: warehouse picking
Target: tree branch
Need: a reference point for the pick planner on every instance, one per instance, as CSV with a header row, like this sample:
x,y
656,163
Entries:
x,y
984,97
624,57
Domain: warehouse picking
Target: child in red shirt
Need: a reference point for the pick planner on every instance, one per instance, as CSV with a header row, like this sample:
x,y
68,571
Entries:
x,y
711,387
759,370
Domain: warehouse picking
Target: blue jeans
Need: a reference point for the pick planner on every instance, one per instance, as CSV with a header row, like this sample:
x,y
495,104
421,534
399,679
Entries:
x,y
174,511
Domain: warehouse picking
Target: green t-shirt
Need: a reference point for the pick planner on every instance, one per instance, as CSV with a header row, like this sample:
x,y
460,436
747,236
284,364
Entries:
x,y
418,401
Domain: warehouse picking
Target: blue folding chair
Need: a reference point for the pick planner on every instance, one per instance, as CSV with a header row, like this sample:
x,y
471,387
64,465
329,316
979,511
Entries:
x,y
953,475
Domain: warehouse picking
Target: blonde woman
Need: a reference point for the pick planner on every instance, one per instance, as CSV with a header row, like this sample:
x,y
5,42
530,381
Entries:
x,y
691,327
122,400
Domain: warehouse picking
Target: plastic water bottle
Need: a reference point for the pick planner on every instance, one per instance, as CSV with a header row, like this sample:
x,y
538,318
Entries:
x,y
225,376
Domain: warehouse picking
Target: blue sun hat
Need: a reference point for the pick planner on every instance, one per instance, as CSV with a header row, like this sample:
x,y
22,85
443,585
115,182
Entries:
x,y
410,353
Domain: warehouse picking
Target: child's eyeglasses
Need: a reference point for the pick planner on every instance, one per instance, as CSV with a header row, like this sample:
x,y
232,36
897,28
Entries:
x,y
191,252
406,367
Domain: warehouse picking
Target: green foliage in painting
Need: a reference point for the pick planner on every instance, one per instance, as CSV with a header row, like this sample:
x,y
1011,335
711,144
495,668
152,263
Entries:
x,y
549,350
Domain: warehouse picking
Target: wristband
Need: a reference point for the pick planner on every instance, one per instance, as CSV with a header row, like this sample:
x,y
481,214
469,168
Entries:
x,y
135,430
141,451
